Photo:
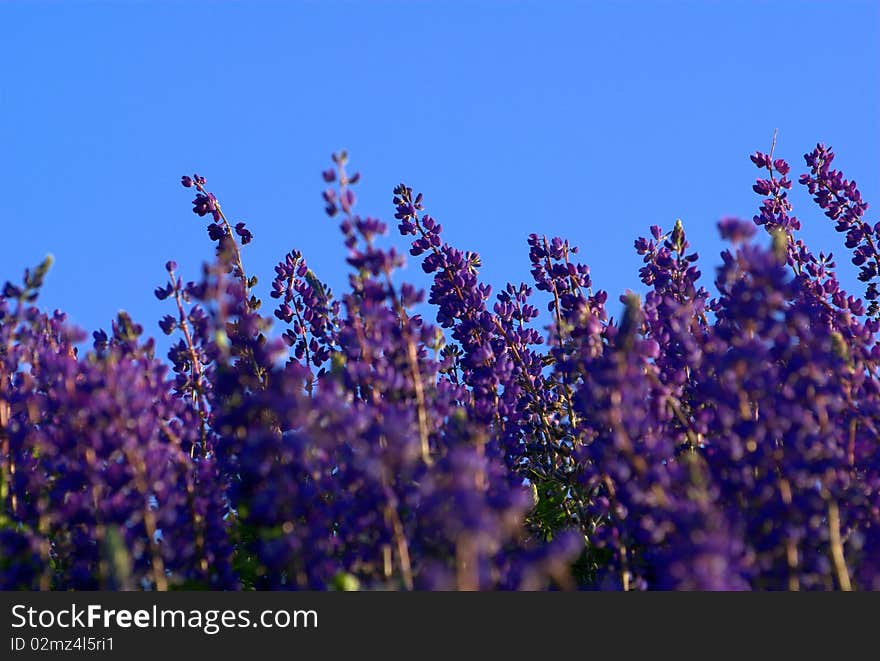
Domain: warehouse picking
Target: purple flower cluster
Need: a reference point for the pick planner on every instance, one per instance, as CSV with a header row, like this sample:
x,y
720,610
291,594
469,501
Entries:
x,y
307,306
723,441
842,202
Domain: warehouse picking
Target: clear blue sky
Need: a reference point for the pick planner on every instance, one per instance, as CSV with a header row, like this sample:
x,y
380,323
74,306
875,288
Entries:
x,y
587,120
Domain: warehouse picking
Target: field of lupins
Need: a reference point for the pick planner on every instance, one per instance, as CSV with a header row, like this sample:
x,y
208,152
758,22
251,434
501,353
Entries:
x,y
392,437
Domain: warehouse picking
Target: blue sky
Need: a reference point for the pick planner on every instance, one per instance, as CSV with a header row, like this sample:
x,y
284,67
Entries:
x,y
586,120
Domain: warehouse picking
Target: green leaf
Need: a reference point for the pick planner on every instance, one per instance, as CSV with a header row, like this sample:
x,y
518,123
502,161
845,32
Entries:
x,y
316,284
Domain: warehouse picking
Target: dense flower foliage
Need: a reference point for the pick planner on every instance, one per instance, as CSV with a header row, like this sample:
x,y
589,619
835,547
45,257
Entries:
x,y
397,438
